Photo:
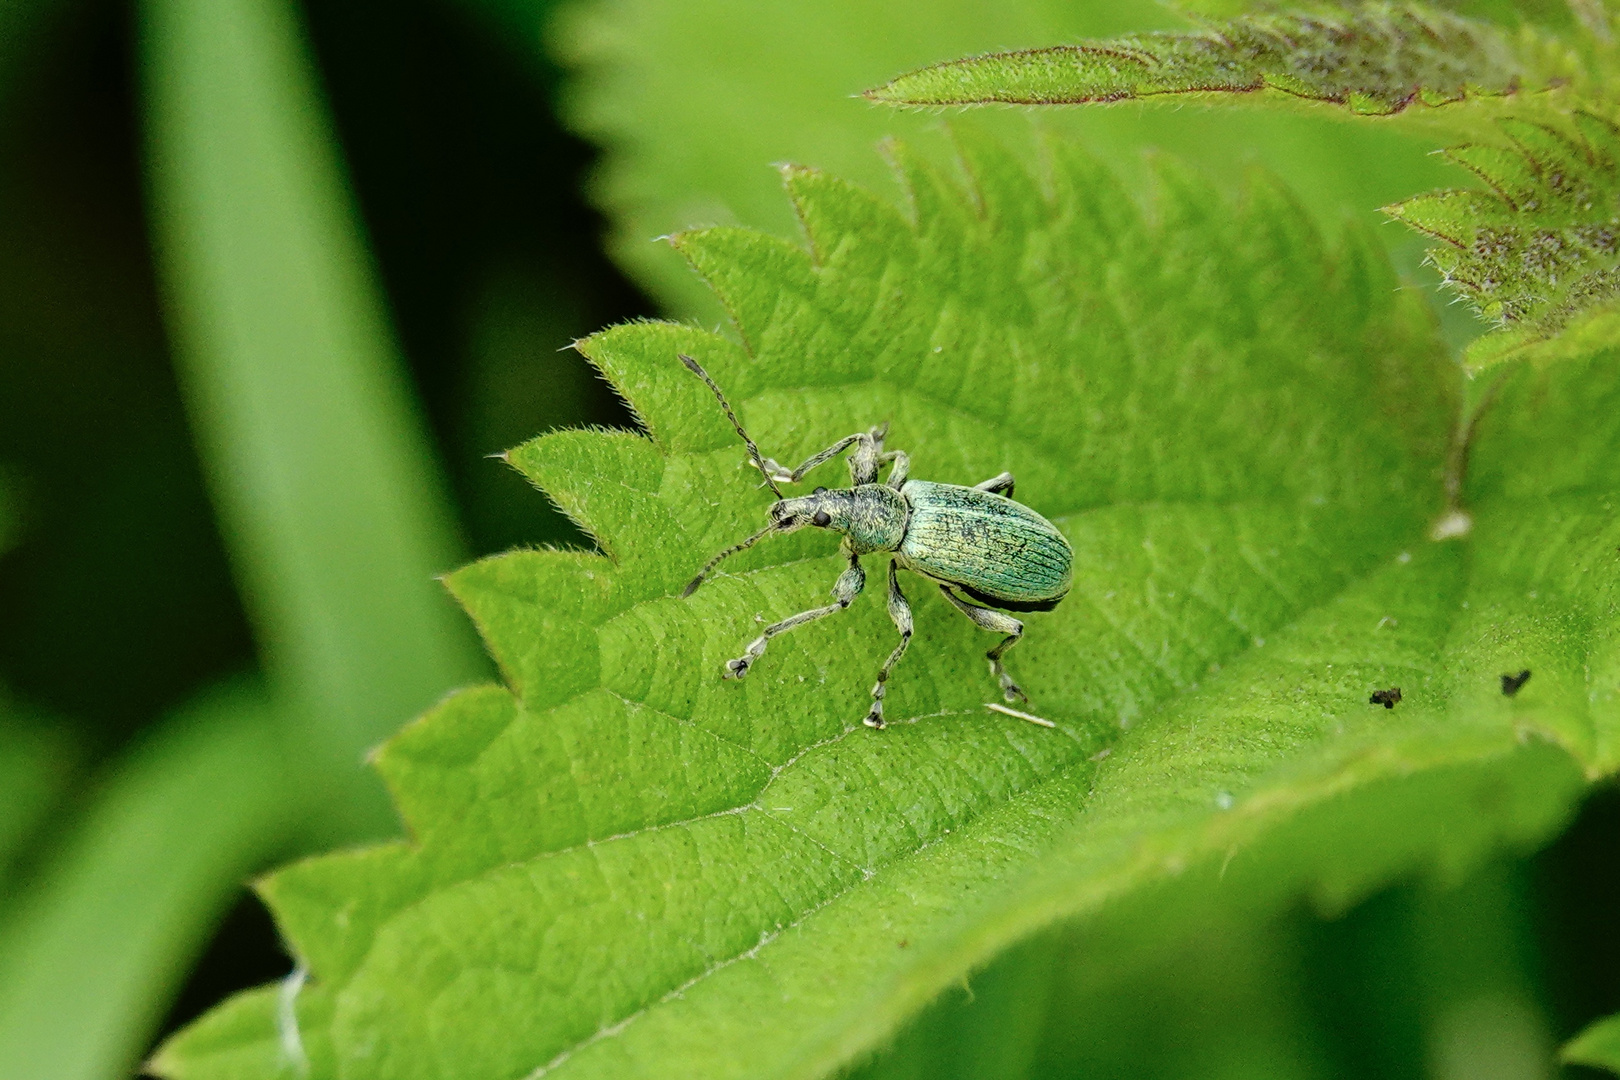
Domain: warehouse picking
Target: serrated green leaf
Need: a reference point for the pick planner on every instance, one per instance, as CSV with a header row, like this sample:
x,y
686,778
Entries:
x,y
1537,254
1375,59
1598,1045
627,866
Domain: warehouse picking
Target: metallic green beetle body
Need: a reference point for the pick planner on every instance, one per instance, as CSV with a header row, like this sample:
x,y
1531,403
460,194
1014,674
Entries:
x,y
999,551
973,540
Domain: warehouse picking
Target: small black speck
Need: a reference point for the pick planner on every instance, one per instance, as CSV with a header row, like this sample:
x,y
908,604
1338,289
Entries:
x,y
1511,683
1386,698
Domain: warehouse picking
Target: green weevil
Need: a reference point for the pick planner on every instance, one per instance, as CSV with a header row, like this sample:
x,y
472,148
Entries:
x,y
968,540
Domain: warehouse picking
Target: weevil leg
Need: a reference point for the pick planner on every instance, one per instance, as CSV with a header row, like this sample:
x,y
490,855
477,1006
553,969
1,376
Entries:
x,y
781,475
900,612
899,468
997,623
868,455
997,485
863,463
845,590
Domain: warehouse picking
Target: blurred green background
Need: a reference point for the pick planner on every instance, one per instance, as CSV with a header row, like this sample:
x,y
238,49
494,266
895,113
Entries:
x,y
276,279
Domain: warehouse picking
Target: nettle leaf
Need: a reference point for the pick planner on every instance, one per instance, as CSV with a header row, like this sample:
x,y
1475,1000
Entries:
x,y
1538,254
621,865
1376,59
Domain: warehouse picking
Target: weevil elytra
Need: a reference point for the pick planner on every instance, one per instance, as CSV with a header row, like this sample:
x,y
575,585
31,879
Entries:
x,y
975,543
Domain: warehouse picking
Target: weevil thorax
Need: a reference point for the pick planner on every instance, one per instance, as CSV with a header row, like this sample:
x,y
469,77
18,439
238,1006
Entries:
x,y
872,516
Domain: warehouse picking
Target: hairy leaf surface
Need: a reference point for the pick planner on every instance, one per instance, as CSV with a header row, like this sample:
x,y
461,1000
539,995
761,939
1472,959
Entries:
x,y
622,865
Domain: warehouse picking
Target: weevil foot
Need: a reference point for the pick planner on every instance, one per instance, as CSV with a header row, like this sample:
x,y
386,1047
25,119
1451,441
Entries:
x,y
736,669
874,715
776,471
1009,689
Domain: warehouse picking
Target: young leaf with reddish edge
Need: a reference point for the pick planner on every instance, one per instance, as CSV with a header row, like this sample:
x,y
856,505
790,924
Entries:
x,y
622,865
1375,59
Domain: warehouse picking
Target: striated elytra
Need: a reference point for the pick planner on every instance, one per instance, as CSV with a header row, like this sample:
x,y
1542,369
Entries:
x,y
975,543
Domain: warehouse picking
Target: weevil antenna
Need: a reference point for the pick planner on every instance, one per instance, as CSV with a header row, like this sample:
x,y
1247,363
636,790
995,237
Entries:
x,y
697,369
726,554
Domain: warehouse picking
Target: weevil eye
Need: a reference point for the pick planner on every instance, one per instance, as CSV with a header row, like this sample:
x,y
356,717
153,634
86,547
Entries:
x,y
821,520
819,491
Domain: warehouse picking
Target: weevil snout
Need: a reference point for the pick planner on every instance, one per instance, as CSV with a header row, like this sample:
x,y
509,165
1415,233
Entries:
x,y
821,508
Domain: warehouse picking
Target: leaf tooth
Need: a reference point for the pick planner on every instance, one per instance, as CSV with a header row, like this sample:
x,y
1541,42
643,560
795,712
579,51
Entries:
x,y
954,221
1363,277
607,482
1453,216
1008,194
1509,173
939,210
328,907
439,747
1602,140
640,361
750,273
1097,212
518,598
529,782
843,221
1563,168
1187,204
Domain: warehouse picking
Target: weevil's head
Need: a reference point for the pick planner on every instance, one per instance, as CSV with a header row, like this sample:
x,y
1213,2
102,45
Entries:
x,y
821,509
871,517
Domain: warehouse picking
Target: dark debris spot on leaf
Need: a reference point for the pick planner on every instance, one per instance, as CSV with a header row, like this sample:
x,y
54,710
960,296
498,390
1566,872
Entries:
x,y
1387,698
1511,683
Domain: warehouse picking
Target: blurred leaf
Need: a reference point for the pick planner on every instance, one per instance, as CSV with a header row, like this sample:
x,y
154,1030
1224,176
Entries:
x,y
321,470
692,98
90,957
1598,1046
36,763
626,866
35,760
1376,59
